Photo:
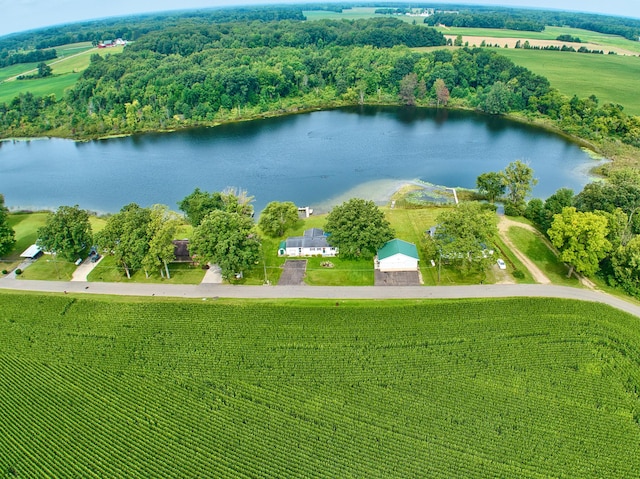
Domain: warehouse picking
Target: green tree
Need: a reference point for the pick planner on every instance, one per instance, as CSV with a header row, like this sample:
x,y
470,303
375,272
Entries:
x,y
554,205
625,263
162,227
519,181
126,236
7,235
44,70
498,100
199,204
227,239
464,234
458,41
581,239
277,217
491,185
67,233
236,200
408,87
358,228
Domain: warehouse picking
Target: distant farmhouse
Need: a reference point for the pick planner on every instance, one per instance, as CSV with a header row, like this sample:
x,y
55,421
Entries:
x,y
112,43
313,242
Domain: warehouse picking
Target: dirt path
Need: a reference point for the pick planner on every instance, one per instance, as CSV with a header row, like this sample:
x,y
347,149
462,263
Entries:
x,y
503,227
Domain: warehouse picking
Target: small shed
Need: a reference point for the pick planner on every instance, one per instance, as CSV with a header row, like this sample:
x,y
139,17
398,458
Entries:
x,y
32,252
181,251
397,255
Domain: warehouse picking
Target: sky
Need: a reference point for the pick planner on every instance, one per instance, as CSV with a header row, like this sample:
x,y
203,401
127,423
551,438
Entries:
x,y
20,15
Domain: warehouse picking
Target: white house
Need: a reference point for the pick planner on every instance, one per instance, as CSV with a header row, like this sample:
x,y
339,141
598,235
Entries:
x,y
312,243
397,255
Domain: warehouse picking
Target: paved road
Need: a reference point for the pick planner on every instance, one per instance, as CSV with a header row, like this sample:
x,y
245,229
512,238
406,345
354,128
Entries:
x,y
323,292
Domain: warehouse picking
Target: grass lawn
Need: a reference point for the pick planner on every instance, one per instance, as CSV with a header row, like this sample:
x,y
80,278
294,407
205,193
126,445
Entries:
x,y
13,70
107,270
46,268
536,249
344,272
611,78
55,85
26,227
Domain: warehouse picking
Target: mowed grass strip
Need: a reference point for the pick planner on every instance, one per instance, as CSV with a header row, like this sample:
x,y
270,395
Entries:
x,y
611,78
537,251
389,389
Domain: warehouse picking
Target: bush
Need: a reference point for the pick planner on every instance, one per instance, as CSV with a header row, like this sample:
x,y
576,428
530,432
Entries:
x,y
18,272
4,271
518,274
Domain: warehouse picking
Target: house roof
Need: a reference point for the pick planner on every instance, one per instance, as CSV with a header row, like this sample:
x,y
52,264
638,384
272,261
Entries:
x,y
31,251
397,246
181,250
312,238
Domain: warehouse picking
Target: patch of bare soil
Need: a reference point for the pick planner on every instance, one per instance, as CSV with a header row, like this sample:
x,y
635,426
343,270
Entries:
x,y
511,43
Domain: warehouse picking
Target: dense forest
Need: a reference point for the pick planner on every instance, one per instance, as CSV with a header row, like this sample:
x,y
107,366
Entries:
x,y
201,69
532,20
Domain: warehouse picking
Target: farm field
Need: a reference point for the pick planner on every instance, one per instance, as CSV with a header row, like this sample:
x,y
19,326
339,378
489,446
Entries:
x,y
105,387
611,78
549,34
72,60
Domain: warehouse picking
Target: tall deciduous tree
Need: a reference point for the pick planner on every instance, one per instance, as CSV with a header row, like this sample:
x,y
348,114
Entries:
x,y
491,185
162,228
7,235
408,87
237,200
581,239
126,236
519,181
625,262
358,228
67,232
277,217
442,92
463,235
498,100
227,239
199,204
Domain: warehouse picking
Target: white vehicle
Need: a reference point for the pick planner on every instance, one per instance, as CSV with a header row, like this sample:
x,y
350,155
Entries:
x,y
501,264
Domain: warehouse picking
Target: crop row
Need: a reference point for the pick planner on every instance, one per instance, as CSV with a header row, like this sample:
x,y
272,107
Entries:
x,y
92,388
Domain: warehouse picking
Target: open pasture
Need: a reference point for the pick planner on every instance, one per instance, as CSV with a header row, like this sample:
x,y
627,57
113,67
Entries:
x,y
73,60
100,387
611,78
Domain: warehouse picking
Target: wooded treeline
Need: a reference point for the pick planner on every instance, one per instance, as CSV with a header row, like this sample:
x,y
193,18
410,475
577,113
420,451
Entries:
x,y
134,27
531,20
7,59
196,73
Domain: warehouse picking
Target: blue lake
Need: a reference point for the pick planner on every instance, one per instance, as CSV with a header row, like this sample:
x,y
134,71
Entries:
x,y
317,159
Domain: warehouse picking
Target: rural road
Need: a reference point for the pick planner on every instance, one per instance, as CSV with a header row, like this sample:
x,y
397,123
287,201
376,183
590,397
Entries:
x,y
323,292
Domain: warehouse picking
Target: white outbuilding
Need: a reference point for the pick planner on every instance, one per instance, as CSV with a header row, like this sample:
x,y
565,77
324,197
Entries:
x,y
397,255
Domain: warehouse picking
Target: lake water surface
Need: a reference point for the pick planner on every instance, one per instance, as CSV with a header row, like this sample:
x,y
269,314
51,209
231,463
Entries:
x,y
318,159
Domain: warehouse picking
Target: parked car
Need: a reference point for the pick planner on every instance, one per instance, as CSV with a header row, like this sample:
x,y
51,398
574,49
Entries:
x,y
501,264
